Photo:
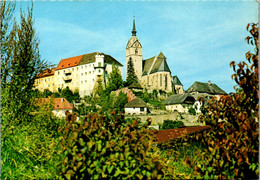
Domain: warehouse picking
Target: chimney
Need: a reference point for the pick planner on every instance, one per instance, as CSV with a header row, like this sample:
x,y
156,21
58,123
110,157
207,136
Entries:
x,y
61,99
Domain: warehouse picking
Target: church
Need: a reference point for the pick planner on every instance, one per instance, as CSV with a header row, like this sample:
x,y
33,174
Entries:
x,y
152,73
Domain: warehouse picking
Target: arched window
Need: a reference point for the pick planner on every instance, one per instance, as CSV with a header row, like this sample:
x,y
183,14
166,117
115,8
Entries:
x,y
136,51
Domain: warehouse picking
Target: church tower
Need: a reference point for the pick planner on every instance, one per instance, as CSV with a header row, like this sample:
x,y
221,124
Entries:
x,y
134,52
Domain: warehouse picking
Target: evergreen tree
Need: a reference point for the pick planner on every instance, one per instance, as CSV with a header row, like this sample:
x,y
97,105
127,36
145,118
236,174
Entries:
x,y
115,80
19,66
131,76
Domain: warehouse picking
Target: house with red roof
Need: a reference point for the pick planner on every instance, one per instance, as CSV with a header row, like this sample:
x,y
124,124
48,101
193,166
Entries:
x,y
60,105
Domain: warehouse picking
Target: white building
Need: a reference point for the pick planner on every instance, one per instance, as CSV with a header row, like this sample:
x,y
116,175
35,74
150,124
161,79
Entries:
x,y
81,73
136,106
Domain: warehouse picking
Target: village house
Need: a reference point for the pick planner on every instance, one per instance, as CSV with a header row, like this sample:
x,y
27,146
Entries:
x,y
60,105
179,102
136,107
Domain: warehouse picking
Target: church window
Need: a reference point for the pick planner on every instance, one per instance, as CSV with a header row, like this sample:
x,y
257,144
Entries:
x,y
136,51
160,80
86,73
166,82
99,64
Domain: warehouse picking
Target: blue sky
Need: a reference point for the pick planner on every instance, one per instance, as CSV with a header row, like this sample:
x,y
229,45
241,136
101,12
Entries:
x,y
199,38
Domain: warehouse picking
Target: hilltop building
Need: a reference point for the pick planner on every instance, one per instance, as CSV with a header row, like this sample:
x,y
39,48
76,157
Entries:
x,y
152,73
80,73
45,80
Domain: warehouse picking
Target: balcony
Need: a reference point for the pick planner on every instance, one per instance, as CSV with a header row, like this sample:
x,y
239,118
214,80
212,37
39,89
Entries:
x,y
67,78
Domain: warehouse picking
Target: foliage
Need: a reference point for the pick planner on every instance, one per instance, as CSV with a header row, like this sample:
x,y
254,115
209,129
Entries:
x,y
115,80
102,146
120,101
19,66
192,111
131,76
29,150
169,124
233,142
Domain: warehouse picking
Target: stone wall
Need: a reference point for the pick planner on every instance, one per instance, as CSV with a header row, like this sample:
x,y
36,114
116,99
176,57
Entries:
x,y
188,120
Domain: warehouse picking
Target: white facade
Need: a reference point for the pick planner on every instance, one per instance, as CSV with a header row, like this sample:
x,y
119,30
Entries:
x,y
135,110
179,107
68,77
61,112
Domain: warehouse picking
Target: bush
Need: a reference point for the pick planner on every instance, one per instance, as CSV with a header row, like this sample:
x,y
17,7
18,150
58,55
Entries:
x,y
169,124
29,150
102,146
233,143
192,111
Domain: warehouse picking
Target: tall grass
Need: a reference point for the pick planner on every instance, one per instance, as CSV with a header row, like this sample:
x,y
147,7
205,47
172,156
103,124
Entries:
x,y
177,152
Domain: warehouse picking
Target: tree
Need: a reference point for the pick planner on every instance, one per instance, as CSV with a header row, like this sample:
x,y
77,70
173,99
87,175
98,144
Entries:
x,y
67,93
115,80
233,143
131,76
120,101
19,66
5,21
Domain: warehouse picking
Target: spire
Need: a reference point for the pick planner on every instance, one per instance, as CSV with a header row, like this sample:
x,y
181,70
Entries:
x,y
134,30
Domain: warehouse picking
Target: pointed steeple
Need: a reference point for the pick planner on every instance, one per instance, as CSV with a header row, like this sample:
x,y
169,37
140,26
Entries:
x,y
134,30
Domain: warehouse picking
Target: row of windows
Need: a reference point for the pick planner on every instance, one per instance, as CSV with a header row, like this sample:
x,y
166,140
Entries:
x,y
64,71
86,81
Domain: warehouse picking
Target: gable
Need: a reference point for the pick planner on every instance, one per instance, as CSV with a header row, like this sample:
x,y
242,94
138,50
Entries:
x,y
155,64
205,88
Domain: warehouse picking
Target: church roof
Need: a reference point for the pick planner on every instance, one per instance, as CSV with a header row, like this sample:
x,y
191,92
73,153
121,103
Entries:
x,y
133,42
176,80
209,88
147,65
156,64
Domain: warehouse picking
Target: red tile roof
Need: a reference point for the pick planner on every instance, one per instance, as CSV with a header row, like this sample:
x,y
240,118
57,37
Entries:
x,y
59,103
169,134
126,91
46,72
69,62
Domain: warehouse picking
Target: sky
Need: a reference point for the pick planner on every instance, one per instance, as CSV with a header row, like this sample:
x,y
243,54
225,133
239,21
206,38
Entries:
x,y
198,38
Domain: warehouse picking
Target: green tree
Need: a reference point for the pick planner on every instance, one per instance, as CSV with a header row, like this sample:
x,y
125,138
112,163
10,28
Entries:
x,y
115,80
46,93
120,101
67,94
131,76
6,22
19,66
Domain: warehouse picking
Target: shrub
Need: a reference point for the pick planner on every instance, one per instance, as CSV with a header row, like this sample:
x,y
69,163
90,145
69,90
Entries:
x,y
192,111
103,147
169,124
233,143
